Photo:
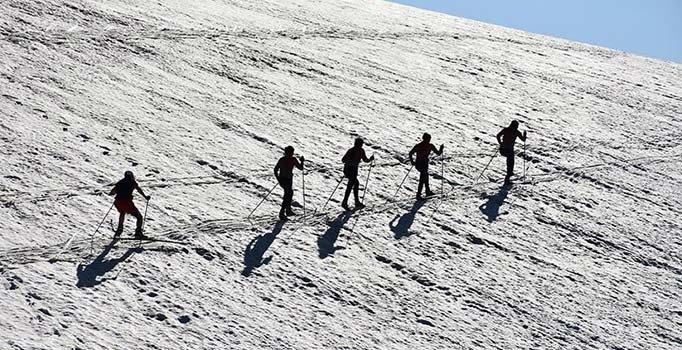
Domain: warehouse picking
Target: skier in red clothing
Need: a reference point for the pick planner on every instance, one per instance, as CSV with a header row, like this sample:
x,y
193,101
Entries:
x,y
506,138
284,173
124,202
351,161
423,149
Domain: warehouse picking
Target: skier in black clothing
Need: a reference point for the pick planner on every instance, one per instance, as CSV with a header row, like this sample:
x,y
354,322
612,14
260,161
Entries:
x,y
284,173
124,202
506,138
423,149
351,161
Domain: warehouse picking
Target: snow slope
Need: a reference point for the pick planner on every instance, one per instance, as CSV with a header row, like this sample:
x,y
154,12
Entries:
x,y
199,98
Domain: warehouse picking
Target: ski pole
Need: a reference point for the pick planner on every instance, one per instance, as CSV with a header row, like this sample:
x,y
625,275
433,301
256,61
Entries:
x,y
402,182
364,191
92,236
442,174
486,167
261,202
332,195
105,217
303,179
524,160
144,220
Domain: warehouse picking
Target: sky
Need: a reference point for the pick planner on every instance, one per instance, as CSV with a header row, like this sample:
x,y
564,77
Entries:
x,y
651,28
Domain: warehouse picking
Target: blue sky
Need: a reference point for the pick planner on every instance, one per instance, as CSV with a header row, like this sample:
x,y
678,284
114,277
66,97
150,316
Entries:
x,y
650,28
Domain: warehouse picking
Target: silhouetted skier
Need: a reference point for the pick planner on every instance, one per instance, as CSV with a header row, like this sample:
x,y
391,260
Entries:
x,y
506,138
423,149
124,202
351,161
284,172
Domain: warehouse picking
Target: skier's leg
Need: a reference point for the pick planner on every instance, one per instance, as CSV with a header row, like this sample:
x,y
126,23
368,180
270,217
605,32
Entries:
x,y
138,227
426,183
288,196
284,200
356,190
349,188
510,165
421,184
121,220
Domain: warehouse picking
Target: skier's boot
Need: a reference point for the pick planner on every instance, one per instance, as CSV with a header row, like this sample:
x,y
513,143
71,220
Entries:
x,y
429,193
290,212
358,206
282,216
118,231
138,232
344,205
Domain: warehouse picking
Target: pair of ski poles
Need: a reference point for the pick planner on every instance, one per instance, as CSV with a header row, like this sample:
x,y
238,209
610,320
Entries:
x,y
364,191
92,236
248,217
442,177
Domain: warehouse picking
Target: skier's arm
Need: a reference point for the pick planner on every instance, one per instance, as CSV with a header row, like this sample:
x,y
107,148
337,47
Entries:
x,y
137,187
499,136
522,136
299,165
412,152
277,168
345,157
437,151
113,190
364,156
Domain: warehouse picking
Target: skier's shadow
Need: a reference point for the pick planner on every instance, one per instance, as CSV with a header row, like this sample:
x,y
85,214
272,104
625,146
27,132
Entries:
x,y
87,274
253,254
491,208
402,228
325,243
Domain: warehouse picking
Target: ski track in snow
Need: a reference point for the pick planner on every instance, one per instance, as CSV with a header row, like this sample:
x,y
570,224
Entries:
x,y
200,99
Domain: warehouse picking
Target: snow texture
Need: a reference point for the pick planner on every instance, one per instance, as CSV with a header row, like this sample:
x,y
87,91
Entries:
x,y
198,98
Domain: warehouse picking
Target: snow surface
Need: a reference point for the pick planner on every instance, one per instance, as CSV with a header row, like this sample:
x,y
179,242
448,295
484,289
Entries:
x,y
198,98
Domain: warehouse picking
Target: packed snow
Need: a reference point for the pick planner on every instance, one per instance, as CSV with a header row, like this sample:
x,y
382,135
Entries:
x,y
200,98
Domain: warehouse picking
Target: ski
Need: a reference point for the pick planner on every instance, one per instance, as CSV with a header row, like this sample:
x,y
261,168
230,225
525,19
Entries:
x,y
147,239
426,198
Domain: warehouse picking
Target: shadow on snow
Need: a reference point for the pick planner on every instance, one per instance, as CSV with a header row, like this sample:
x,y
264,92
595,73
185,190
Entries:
x,y
88,274
491,208
325,243
402,228
256,249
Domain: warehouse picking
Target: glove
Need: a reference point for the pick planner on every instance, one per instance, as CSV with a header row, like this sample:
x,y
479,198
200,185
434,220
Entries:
x,y
148,197
302,159
372,158
441,147
524,134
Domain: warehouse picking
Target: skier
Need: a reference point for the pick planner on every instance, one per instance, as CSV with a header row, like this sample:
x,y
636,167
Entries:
x,y
351,161
124,202
423,149
284,174
506,138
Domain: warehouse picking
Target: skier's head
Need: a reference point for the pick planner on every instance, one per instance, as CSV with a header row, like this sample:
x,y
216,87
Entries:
x,y
289,151
426,137
514,125
359,142
128,175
